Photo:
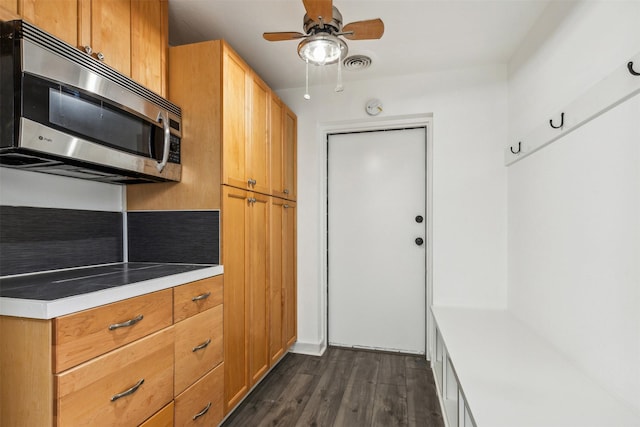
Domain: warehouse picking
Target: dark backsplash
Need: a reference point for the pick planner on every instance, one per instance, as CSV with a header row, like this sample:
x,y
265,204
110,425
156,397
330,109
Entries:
x,y
40,239
174,236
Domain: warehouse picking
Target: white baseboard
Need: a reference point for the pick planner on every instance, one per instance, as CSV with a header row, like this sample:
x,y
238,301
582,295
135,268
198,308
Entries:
x,y
311,349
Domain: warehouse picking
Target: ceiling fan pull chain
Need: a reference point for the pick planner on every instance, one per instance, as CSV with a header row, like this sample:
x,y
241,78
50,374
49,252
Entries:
x,y
339,87
306,87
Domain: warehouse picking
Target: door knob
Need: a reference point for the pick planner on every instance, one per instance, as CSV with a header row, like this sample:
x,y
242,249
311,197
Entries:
x,y
419,219
419,241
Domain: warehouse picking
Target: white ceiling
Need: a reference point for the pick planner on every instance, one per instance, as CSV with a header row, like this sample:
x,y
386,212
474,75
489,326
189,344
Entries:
x,y
420,35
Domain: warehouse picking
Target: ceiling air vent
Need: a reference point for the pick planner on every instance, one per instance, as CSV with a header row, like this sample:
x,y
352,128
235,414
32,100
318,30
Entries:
x,y
357,62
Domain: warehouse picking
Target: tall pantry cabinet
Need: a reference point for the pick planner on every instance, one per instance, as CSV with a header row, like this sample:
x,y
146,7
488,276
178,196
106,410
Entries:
x,y
237,150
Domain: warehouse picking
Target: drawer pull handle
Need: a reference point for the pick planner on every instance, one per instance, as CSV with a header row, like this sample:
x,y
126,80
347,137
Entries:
x,y
201,413
201,346
127,392
201,297
130,322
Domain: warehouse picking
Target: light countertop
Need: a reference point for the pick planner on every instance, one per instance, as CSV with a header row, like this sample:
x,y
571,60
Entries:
x,y
50,308
510,376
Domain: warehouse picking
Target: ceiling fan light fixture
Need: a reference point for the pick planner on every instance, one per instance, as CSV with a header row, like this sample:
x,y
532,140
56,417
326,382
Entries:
x,y
322,49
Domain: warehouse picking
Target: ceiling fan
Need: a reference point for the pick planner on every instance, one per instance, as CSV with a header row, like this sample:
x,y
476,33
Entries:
x,y
321,43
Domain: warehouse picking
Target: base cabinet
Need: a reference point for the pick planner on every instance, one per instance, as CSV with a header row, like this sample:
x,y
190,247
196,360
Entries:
x,y
129,382
123,387
162,418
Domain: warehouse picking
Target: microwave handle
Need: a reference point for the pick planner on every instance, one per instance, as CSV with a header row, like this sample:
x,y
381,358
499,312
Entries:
x,y
167,140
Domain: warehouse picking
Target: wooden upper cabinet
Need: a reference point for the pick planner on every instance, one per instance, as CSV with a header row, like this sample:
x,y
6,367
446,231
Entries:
x,y
277,149
283,133
258,155
130,36
149,44
8,8
58,17
235,123
246,105
105,27
290,132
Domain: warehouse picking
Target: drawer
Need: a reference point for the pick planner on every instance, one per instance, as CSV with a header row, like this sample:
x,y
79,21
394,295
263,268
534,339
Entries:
x,y
198,348
103,392
201,404
81,336
196,297
162,418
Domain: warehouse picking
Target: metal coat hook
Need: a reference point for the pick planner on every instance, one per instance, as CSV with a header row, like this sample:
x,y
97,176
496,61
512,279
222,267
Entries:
x,y
631,70
519,148
561,122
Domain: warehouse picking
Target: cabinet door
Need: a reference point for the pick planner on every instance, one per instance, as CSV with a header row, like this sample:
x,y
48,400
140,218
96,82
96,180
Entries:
x,y
290,135
258,155
236,92
276,335
289,256
236,381
109,32
149,25
9,6
277,149
58,17
257,242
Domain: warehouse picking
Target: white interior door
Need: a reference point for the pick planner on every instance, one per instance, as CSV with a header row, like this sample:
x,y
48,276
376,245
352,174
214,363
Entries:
x,y
376,268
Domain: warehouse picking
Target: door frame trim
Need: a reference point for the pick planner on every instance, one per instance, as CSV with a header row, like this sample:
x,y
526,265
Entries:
x,y
397,122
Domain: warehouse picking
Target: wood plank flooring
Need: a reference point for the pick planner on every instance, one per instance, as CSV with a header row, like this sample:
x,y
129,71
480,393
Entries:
x,y
343,388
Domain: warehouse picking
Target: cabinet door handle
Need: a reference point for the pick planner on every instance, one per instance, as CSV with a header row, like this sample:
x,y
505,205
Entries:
x,y
201,346
201,297
88,50
129,322
100,56
286,191
285,206
127,392
201,413
252,181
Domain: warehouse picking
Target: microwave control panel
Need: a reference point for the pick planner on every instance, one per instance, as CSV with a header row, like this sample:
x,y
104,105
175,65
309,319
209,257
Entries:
x,y
174,149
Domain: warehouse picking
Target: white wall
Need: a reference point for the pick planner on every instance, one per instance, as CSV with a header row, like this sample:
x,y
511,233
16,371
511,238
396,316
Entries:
x,y
469,181
574,207
20,188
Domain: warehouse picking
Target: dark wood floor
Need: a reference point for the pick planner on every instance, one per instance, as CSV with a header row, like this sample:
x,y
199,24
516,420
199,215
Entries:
x,y
343,388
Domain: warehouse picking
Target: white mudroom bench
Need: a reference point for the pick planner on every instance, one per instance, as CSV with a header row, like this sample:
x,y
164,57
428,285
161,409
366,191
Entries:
x,y
492,370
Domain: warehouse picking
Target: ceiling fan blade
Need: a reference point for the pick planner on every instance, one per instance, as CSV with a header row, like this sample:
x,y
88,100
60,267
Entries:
x,y
316,8
284,35
364,30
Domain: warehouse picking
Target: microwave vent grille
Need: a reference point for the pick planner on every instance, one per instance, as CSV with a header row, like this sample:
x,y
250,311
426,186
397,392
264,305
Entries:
x,y
35,35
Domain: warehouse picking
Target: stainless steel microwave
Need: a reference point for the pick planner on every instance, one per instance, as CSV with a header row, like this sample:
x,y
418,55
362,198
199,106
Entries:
x,y
66,113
